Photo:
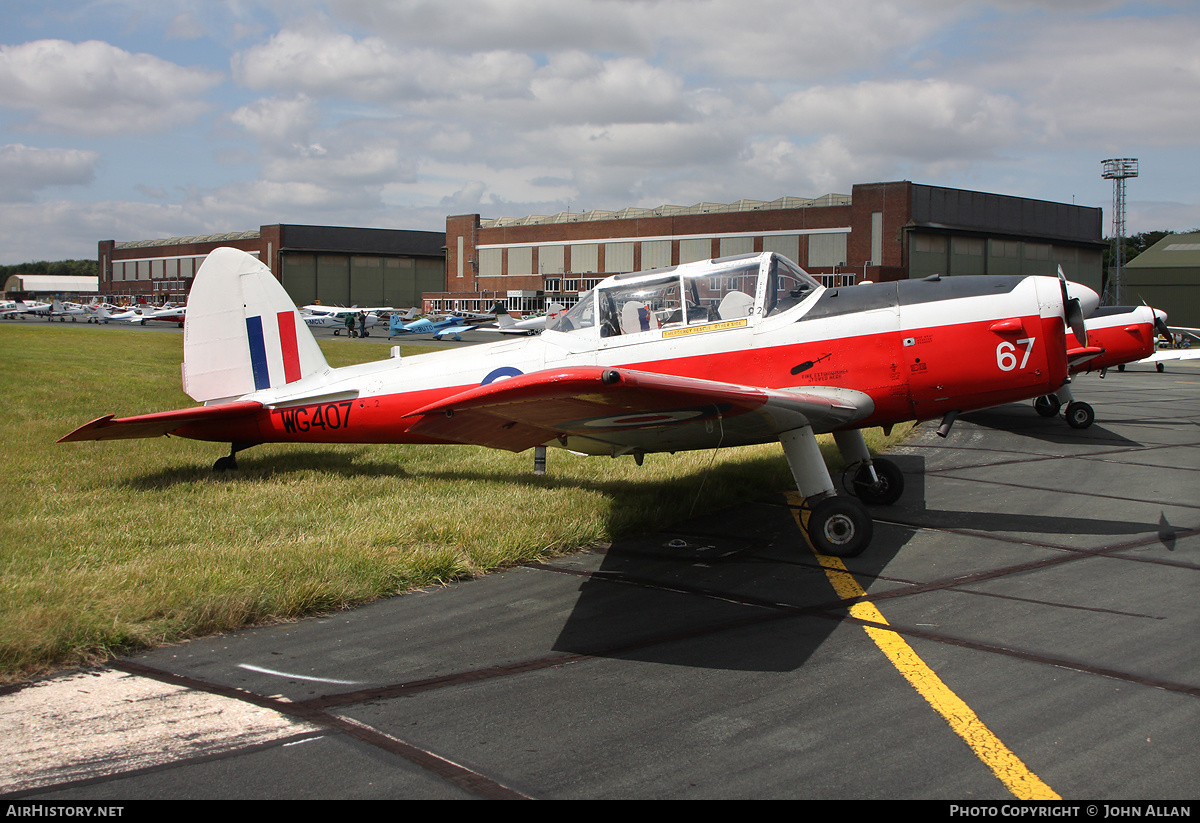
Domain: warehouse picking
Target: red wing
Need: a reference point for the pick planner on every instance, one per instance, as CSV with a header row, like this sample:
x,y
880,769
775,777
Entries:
x,y
600,410
159,423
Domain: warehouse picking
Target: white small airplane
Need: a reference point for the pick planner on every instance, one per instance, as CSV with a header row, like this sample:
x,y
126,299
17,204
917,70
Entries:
x,y
334,317
505,324
705,355
63,310
107,313
19,307
173,314
1180,343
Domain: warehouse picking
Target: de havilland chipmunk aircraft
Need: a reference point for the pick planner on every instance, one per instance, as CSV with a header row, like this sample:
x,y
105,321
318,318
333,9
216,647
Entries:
x,y
1116,335
704,355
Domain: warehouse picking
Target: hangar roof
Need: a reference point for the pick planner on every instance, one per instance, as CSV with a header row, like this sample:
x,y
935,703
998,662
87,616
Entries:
x,y
1174,251
668,211
179,241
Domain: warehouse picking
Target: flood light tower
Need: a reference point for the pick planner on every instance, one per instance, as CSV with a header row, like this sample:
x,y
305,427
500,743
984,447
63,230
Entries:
x,y
1118,170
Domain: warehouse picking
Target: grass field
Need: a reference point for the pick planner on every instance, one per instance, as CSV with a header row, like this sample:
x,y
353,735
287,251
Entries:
x,y
112,547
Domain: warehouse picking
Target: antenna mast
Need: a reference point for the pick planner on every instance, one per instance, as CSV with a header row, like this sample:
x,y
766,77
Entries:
x,y
1118,170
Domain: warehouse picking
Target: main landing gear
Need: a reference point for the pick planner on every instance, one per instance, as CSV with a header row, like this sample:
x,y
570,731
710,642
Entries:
x,y
839,525
1079,415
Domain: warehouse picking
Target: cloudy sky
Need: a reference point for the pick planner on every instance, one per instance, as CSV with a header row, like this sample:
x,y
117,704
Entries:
x,y
132,119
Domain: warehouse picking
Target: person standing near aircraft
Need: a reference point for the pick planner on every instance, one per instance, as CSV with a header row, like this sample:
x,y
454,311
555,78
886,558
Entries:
x,y
362,324
349,324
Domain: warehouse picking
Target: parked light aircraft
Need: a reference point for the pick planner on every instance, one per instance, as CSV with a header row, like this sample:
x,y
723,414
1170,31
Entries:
x,y
1116,335
424,325
20,307
327,317
172,314
705,355
505,324
1179,346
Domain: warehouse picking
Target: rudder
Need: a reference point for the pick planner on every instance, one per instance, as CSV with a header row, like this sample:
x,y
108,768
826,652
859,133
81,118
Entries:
x,y
242,332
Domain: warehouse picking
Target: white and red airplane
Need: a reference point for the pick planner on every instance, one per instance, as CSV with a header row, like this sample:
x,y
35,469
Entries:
x,y
704,355
1116,336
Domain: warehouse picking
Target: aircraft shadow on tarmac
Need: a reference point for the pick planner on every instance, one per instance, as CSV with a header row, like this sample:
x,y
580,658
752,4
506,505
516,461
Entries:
x,y
740,589
1023,420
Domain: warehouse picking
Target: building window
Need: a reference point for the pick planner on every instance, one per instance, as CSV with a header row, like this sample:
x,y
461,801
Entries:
x,y
551,259
489,262
585,258
733,246
618,257
692,250
656,254
520,260
786,244
969,246
828,249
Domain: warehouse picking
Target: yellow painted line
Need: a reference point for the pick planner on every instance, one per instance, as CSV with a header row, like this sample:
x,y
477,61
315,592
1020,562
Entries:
x,y
1009,768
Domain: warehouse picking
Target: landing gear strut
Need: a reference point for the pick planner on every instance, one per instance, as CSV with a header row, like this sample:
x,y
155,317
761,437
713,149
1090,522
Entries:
x,y
1079,415
837,526
229,461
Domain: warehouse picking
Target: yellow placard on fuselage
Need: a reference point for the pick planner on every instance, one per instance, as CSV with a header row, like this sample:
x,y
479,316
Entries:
x,y
707,327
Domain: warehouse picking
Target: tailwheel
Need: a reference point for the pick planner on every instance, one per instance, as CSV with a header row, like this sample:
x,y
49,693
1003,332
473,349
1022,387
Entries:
x,y
887,486
1080,415
1047,405
840,527
226,463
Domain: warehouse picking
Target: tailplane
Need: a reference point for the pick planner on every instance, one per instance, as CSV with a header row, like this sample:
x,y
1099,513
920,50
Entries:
x,y
243,333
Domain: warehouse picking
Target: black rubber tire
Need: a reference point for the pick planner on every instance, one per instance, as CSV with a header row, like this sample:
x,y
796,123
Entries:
x,y
1047,405
1080,415
840,527
889,488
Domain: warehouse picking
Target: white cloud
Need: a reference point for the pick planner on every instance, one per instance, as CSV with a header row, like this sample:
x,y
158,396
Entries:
x,y
323,63
278,121
25,170
919,121
97,89
1114,80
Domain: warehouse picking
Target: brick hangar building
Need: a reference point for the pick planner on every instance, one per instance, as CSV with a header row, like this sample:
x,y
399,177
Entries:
x,y
881,231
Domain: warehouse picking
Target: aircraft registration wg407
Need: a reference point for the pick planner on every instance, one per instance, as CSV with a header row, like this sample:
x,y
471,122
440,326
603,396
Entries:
x,y
704,355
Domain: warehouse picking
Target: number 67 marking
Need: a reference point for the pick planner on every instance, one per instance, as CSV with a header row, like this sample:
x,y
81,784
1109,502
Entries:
x,y
1006,354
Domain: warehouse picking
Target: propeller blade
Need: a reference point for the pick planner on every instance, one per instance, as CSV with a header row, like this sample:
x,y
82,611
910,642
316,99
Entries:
x,y
1160,326
1075,320
1072,313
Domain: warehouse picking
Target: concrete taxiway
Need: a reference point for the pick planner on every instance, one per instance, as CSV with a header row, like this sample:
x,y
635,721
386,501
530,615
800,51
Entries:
x,y
1027,627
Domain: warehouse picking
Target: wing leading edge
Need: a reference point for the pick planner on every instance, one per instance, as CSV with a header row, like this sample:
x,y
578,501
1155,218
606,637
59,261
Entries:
x,y
609,410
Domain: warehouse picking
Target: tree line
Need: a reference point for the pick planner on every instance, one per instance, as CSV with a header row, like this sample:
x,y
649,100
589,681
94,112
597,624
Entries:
x,y
87,268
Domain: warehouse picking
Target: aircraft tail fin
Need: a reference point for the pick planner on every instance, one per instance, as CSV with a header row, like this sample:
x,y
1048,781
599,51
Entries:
x,y
242,331
503,319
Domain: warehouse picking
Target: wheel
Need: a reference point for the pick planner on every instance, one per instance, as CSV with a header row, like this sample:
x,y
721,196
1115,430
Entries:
x,y
1080,415
226,463
840,527
885,492
1161,368
1047,405
1121,367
